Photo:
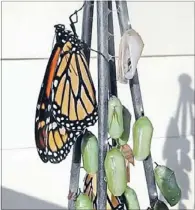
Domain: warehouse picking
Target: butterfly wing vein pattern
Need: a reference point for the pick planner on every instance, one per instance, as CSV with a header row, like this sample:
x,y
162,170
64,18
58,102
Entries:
x,y
67,101
90,189
75,106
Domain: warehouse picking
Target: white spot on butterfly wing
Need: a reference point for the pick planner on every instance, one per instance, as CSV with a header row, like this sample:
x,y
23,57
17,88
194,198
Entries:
x,y
54,125
49,107
54,106
48,120
50,127
62,130
52,95
55,83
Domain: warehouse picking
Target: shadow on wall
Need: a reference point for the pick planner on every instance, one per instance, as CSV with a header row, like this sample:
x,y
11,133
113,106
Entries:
x,y
16,200
176,149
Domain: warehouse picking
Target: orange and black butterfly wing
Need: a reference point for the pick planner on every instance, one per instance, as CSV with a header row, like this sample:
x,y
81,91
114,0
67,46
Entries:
x,y
55,141
90,189
42,115
74,97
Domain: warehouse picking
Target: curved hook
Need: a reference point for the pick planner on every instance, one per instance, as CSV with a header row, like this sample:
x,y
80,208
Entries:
x,y
73,22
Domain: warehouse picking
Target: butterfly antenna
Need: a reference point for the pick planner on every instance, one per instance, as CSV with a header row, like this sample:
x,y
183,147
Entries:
x,y
72,23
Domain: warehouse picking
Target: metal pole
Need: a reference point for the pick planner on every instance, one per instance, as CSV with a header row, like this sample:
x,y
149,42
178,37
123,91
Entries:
x,y
76,157
103,70
124,23
87,26
111,51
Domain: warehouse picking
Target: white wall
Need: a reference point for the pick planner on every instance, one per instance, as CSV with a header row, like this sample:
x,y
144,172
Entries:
x,y
167,28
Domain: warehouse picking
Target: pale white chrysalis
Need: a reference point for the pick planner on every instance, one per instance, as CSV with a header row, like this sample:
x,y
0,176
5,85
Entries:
x,y
130,50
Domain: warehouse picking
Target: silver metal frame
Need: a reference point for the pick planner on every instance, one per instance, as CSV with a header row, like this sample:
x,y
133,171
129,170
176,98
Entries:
x,y
106,87
103,80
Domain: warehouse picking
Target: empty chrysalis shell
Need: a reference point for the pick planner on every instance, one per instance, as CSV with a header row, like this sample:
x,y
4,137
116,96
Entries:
x,y
115,170
115,118
83,202
89,150
167,183
142,136
130,50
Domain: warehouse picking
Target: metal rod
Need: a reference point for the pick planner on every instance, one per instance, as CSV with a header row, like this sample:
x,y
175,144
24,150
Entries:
x,y
87,26
103,70
124,24
76,156
111,51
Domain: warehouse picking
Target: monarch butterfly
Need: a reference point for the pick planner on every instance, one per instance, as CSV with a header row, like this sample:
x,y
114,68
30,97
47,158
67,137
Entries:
x,y
113,202
67,99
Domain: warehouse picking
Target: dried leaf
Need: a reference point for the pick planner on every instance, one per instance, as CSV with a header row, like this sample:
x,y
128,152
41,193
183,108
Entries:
x,y
128,153
128,171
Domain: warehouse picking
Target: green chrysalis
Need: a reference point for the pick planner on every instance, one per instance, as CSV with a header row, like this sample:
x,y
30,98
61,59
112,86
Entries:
x,y
160,205
126,123
131,199
89,150
167,183
142,135
115,170
115,118
83,202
